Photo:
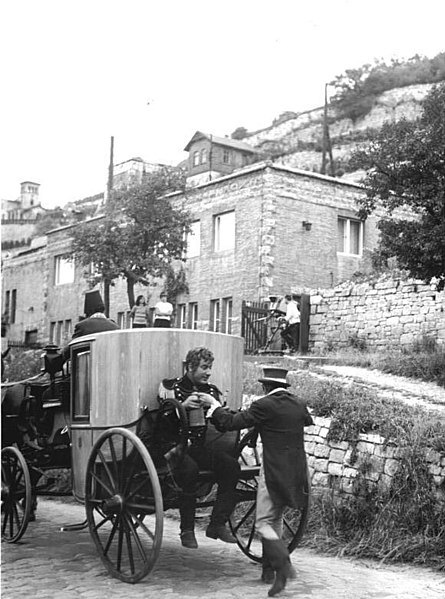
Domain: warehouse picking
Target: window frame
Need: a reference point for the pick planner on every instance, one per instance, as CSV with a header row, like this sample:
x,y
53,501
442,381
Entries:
x,y
219,232
347,239
227,315
181,316
215,315
13,306
193,315
80,351
60,278
196,246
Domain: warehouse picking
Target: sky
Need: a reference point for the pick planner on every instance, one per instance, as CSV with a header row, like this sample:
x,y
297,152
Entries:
x,y
151,73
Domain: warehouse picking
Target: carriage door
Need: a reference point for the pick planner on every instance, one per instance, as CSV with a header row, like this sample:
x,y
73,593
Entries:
x,y
81,432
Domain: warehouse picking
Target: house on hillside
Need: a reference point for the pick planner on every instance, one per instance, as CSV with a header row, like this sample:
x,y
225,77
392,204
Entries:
x,y
211,157
263,230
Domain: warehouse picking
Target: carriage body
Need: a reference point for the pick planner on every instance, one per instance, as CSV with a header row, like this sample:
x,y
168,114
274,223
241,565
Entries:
x,y
115,376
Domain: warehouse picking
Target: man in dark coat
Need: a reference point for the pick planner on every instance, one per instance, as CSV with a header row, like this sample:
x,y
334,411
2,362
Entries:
x,y
95,321
189,389
280,418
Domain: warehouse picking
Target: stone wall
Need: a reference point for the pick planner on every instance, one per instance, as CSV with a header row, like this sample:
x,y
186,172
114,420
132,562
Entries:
x,y
385,312
338,463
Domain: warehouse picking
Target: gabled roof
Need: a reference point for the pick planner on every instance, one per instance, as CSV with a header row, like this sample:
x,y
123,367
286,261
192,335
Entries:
x,y
221,141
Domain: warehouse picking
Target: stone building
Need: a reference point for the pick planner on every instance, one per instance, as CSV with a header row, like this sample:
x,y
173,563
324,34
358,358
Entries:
x,y
262,230
19,217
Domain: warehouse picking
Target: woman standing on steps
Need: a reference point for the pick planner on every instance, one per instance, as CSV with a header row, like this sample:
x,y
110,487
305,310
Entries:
x,y
139,313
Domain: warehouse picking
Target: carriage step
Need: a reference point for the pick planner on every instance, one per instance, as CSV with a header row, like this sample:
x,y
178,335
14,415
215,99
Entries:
x,y
249,472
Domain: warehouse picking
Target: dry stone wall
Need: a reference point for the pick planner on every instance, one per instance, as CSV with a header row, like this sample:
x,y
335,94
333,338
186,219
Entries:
x,y
338,463
386,312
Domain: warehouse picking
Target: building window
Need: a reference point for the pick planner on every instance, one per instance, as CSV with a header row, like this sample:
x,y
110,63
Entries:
x,y
193,240
181,317
226,325
350,236
123,319
224,231
203,156
193,315
31,337
67,331
215,315
52,332
7,305
196,158
226,156
13,311
64,270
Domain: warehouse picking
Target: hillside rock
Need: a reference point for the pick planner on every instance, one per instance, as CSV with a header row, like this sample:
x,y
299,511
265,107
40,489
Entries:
x,y
297,142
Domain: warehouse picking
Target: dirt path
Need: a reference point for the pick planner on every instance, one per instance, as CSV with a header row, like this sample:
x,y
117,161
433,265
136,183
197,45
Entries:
x,y
410,391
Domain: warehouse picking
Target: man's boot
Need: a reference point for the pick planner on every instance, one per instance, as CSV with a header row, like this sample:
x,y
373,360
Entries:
x,y
267,574
277,555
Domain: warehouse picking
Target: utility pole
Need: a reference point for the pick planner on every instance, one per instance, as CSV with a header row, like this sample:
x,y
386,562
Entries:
x,y
327,147
110,170
108,196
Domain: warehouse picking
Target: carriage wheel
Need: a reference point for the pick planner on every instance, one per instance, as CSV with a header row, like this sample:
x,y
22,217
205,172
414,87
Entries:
x,y
124,505
16,495
242,520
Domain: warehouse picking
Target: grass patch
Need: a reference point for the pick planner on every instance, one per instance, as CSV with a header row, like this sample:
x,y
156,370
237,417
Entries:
x,y
423,360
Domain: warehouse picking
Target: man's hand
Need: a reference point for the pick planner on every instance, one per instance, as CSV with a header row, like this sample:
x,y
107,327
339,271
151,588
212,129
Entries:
x,y
193,401
209,400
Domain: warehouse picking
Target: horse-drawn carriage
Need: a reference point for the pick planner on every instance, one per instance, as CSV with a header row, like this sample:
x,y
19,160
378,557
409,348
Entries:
x,y
106,425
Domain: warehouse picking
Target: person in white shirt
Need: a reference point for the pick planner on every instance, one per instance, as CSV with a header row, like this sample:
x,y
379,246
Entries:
x,y
291,334
163,312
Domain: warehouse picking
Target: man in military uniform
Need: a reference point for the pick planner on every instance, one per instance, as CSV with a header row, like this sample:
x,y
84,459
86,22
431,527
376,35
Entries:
x,y
191,390
280,418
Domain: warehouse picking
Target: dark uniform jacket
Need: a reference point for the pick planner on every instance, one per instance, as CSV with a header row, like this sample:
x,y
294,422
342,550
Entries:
x,y
181,389
280,418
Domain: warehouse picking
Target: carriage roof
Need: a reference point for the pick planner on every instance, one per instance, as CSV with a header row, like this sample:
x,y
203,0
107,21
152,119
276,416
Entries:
x,y
118,372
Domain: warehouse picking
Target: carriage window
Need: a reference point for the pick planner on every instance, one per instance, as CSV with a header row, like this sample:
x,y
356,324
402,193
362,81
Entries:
x,y
81,382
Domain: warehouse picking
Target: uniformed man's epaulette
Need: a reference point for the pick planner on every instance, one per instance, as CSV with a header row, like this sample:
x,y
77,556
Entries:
x,y
170,383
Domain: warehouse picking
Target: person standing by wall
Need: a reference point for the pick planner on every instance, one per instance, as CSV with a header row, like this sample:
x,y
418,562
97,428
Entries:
x,y
139,313
163,312
291,334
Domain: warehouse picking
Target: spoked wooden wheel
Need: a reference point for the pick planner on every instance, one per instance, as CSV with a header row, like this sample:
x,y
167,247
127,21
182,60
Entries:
x,y
16,495
124,505
242,520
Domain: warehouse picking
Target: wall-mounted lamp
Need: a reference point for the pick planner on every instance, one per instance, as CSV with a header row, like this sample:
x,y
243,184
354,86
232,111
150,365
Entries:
x,y
307,225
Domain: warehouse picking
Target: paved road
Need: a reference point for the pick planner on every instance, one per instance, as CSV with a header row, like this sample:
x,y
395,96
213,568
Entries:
x,y
48,564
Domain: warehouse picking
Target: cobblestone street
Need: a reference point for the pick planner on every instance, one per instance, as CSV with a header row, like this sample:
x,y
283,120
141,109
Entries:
x,y
48,563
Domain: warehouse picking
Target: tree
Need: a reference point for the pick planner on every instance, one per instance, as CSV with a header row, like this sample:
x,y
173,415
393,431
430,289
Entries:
x,y
240,133
405,166
140,234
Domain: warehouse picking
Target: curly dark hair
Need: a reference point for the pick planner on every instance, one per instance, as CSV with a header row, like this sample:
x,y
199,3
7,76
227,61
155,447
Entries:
x,y
195,355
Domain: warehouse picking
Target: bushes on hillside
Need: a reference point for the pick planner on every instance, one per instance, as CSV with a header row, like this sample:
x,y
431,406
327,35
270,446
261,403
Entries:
x,y
356,89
